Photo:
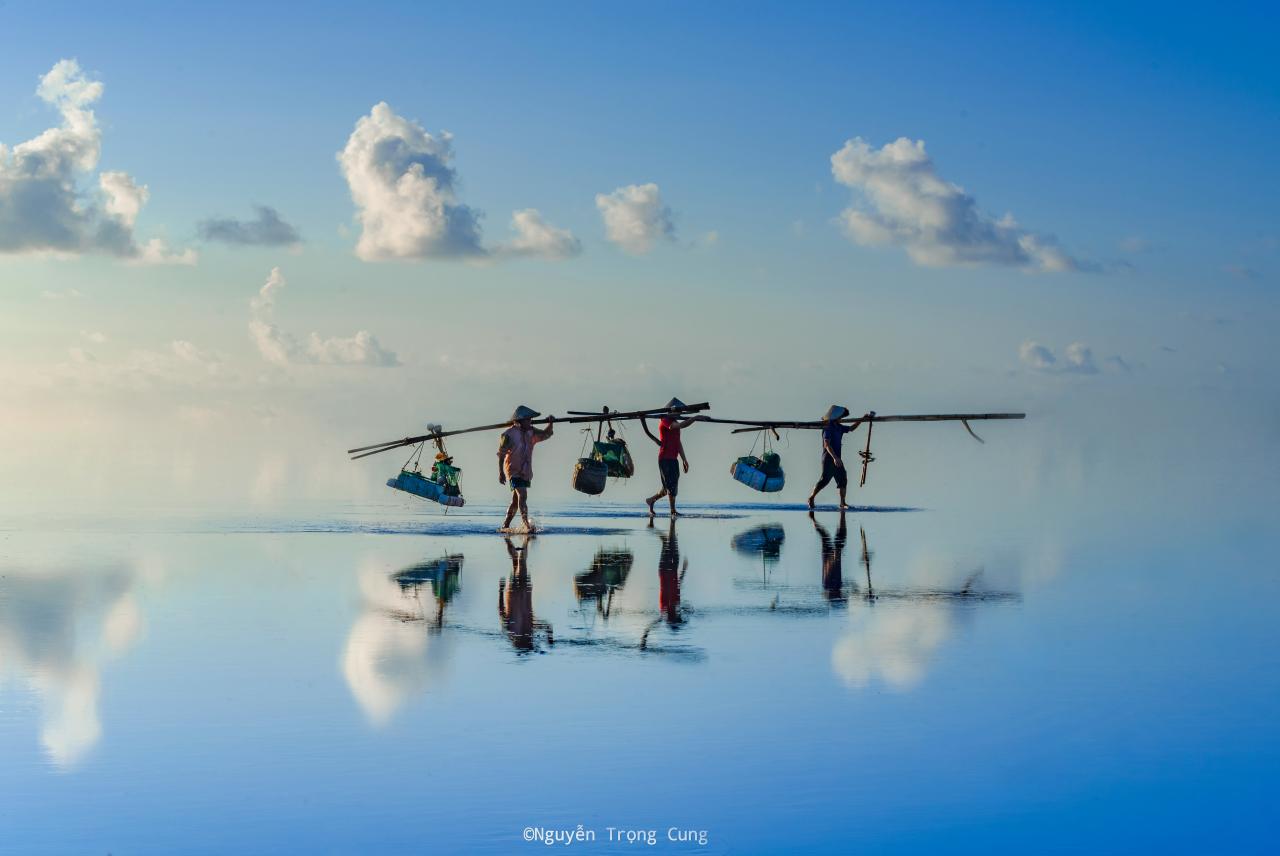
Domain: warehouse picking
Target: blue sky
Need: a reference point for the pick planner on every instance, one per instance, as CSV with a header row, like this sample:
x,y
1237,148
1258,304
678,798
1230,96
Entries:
x,y
1141,139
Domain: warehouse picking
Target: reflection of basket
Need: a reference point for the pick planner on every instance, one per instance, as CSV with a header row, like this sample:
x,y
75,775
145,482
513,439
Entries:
x,y
608,570
765,540
589,476
762,474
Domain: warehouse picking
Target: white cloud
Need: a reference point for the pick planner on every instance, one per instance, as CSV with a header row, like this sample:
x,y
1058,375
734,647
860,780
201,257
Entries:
x,y
536,237
94,336
157,252
635,217
42,207
362,349
908,204
404,190
1077,358
125,197
1036,355
281,348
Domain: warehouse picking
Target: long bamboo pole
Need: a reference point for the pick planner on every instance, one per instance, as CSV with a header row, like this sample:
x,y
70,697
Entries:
x,y
758,425
376,448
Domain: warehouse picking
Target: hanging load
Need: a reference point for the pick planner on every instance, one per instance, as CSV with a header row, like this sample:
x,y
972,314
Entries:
x,y
442,486
590,476
609,457
615,455
763,473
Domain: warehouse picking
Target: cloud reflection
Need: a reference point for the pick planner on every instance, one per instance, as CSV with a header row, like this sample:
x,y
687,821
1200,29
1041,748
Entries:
x,y
57,629
892,647
391,654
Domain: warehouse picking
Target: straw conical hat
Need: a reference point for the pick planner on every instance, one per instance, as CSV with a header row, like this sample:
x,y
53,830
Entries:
x,y
836,411
674,404
523,412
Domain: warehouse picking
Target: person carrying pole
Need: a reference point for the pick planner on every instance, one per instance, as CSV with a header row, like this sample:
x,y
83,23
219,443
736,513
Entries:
x,y
671,456
515,460
832,464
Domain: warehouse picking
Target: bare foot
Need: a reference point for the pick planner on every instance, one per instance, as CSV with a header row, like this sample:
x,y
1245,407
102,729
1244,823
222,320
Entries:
x,y
675,513
811,502
650,502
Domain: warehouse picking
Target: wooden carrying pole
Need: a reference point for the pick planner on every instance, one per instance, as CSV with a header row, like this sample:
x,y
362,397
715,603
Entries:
x,y
757,425
376,448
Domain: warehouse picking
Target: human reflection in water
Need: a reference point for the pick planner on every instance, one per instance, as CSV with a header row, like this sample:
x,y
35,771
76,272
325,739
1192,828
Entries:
x,y
444,575
515,602
670,576
833,559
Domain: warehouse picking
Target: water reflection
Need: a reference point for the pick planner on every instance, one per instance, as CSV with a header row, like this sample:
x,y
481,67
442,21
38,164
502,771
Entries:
x,y
394,650
764,541
895,646
57,629
606,576
515,602
833,558
444,576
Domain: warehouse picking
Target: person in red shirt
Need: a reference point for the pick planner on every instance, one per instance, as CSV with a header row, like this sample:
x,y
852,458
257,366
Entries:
x,y
671,458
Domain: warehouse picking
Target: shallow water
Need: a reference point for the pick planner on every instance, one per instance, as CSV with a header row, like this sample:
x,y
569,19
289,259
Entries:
x,y
384,680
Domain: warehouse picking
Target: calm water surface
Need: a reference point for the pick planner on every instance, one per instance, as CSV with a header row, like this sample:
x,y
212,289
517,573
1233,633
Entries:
x,y
400,681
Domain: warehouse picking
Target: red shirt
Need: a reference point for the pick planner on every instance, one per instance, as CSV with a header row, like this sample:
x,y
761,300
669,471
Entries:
x,y
669,447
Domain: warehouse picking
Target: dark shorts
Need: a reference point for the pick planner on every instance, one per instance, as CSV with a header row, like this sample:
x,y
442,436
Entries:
x,y
831,471
669,470
514,483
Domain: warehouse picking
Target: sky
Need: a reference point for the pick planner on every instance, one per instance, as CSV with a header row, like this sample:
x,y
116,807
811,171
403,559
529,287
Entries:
x,y
236,241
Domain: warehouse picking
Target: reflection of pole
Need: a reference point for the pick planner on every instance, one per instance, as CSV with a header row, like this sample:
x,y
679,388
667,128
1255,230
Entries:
x,y
866,563
866,453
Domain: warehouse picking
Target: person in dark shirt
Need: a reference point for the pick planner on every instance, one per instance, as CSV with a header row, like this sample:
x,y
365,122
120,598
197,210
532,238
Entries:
x,y
832,442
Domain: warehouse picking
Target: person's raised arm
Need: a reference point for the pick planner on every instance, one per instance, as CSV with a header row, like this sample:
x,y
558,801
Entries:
x,y
692,419
544,433
644,423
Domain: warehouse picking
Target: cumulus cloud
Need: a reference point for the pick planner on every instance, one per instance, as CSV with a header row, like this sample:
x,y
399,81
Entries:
x,y
268,229
42,206
635,217
907,204
1077,358
404,190
282,348
538,238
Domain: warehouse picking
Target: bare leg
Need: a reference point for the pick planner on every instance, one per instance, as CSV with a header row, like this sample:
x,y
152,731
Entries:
x,y
651,500
843,504
511,509
671,497
522,494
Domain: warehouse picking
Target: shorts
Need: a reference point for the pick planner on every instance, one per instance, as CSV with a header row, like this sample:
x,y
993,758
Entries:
x,y
831,471
516,482
669,470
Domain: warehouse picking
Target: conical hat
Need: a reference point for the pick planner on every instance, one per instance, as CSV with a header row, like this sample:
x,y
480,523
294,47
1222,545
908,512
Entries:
x,y
523,412
674,404
836,411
